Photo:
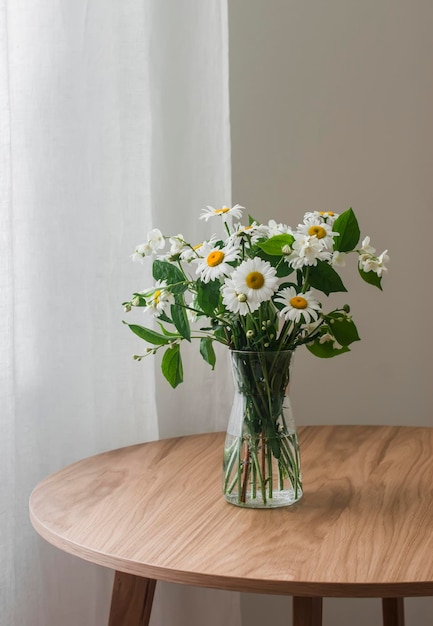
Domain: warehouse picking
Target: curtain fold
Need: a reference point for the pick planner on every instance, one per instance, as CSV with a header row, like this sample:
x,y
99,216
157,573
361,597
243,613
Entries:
x,y
114,120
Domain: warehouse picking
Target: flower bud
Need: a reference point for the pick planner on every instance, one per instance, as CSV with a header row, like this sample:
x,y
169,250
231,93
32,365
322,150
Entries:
x,y
127,308
135,301
250,334
242,297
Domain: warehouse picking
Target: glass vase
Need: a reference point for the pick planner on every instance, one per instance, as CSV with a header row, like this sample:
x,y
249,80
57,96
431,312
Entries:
x,y
261,467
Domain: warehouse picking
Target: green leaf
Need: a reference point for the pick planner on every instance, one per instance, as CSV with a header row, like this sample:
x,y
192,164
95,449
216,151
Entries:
x,y
371,278
324,278
171,365
151,336
208,296
163,270
346,225
283,268
274,245
180,318
325,350
163,317
343,328
207,351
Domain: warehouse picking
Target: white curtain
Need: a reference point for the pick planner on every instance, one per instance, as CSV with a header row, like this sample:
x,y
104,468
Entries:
x,y
114,120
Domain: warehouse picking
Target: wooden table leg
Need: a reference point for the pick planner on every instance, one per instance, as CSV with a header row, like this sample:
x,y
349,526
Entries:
x,y
307,611
131,601
393,611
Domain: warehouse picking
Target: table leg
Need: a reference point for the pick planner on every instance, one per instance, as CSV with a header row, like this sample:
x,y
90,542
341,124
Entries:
x,y
393,611
307,611
131,601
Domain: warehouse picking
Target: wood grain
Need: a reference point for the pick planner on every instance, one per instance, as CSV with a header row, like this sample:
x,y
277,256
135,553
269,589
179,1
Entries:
x,y
131,602
393,611
363,528
307,611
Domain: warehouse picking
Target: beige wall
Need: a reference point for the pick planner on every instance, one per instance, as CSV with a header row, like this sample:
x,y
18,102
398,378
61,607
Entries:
x,y
331,107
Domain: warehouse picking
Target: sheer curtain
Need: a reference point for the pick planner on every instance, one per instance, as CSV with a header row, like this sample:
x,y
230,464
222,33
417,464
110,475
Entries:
x,y
114,119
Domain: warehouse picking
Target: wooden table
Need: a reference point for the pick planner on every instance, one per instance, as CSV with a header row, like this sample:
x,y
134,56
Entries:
x,y
364,527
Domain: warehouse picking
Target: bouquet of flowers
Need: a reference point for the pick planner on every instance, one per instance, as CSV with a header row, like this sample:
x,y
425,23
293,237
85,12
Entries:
x,y
253,289
256,290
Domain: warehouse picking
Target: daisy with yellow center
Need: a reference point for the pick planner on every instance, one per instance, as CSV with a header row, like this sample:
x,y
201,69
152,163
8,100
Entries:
x,y
158,299
224,212
313,227
257,280
214,262
235,301
324,216
243,233
298,307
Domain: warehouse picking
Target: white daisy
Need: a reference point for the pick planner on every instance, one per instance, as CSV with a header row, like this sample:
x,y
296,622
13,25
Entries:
x,y
306,250
224,212
326,216
271,229
191,253
314,227
302,307
158,299
213,261
244,233
257,279
235,301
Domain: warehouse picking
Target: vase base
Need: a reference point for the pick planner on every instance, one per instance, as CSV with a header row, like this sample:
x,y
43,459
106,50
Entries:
x,y
279,499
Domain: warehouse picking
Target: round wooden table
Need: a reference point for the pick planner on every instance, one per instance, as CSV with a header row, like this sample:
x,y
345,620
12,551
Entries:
x,y
364,527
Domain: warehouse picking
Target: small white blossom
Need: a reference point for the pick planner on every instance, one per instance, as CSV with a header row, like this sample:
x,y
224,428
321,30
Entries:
x,y
306,250
338,259
155,241
371,263
141,251
326,337
366,248
177,244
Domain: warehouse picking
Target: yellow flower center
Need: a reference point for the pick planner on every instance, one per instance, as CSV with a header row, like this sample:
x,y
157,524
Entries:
x,y
255,280
199,245
224,209
156,296
319,231
327,213
215,258
298,302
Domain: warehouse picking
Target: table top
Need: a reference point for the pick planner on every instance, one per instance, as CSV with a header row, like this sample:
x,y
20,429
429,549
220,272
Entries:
x,y
364,526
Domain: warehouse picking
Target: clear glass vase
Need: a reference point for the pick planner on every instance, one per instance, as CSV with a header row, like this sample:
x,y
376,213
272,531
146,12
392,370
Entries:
x,y
261,467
